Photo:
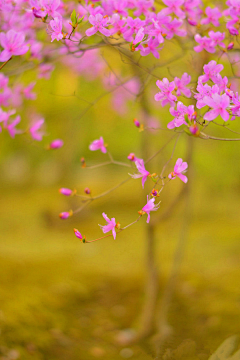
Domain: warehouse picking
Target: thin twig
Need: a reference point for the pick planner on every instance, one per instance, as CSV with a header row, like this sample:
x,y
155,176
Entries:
x,y
5,63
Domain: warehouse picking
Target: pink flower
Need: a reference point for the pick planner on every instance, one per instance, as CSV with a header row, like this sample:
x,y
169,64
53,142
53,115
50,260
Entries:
x,y
56,26
120,7
219,103
56,144
150,206
174,7
110,226
27,91
139,36
143,173
4,116
204,43
181,85
12,127
143,7
118,24
203,91
211,70
179,168
13,44
51,7
172,28
217,38
45,71
212,16
152,46
236,101
230,25
98,145
34,130
179,116
157,31
99,24
165,96
133,25
37,7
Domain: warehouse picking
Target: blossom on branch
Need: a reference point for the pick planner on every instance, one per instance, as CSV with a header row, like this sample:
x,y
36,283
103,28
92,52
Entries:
x,y
219,104
143,173
56,26
165,95
212,16
211,71
179,168
35,131
179,115
12,127
111,225
181,85
98,145
150,206
13,44
99,23
205,43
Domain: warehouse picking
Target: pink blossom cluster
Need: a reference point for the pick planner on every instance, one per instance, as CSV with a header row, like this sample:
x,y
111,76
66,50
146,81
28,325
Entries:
x,y
212,90
78,31
233,13
210,43
167,88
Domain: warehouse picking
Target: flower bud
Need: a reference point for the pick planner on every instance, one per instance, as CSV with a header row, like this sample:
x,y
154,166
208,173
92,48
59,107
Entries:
x,y
136,122
154,193
56,144
192,22
66,192
230,46
83,162
194,130
78,234
87,191
132,47
194,115
131,157
65,215
118,226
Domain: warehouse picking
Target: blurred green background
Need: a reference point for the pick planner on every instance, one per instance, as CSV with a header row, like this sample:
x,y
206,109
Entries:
x,y
61,299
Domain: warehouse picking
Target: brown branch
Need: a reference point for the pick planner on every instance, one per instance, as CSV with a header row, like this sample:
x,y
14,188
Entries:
x,y
5,63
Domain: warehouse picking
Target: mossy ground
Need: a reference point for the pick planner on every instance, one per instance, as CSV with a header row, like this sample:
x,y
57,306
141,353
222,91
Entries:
x,y
61,299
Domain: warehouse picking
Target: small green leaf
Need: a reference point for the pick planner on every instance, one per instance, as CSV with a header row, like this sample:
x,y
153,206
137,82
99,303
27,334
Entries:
x,y
186,119
80,20
74,18
137,44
